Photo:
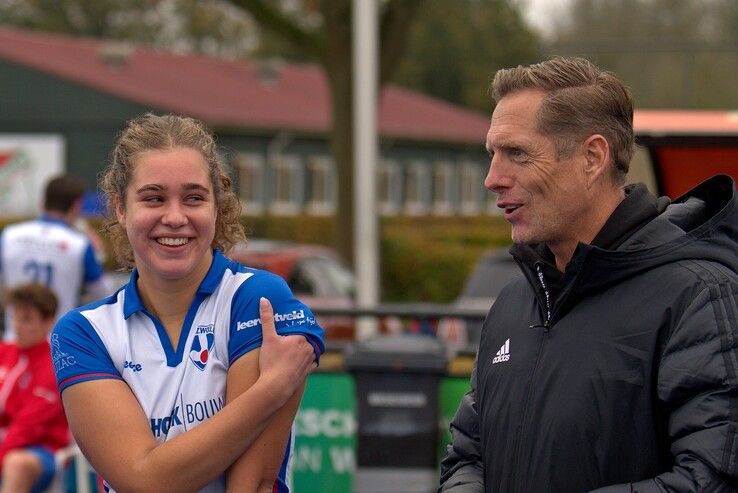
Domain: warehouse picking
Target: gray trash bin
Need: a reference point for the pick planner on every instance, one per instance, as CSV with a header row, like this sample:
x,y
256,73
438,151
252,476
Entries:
x,y
397,380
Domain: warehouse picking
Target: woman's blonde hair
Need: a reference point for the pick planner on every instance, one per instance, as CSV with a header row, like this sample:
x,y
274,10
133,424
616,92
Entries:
x,y
153,132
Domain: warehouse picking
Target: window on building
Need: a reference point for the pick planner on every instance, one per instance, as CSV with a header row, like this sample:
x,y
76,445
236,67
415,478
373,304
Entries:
x,y
250,175
321,189
417,187
472,196
389,187
443,188
288,185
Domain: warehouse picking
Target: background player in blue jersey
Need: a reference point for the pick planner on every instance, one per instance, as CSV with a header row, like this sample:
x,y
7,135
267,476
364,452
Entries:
x,y
145,373
50,251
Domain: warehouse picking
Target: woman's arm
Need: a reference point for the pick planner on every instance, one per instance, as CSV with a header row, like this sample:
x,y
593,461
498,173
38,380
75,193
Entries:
x,y
258,467
114,434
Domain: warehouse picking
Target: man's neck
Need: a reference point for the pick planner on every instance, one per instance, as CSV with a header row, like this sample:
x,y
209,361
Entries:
x,y
597,216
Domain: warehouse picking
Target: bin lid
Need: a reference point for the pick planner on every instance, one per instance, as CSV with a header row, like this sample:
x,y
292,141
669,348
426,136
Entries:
x,y
407,352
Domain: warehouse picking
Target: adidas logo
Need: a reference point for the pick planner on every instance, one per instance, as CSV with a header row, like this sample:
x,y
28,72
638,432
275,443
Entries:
x,y
503,354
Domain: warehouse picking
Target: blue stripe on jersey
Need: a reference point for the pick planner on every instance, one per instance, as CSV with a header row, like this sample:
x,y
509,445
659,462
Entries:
x,y
54,220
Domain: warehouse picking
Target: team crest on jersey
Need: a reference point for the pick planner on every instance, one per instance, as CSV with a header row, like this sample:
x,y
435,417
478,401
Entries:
x,y
202,345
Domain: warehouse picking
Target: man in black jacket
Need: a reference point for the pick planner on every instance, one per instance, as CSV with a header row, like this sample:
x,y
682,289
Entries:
x,y
612,364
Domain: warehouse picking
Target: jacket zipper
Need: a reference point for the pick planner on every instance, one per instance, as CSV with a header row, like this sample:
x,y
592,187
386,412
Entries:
x,y
546,326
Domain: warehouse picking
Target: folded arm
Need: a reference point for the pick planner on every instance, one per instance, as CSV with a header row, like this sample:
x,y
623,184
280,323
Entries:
x,y
113,432
258,467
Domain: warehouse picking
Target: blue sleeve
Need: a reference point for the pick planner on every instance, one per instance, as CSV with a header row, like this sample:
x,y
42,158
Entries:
x,y
93,269
78,353
291,316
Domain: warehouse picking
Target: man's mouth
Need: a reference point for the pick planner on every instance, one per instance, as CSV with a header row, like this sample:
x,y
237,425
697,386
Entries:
x,y
508,208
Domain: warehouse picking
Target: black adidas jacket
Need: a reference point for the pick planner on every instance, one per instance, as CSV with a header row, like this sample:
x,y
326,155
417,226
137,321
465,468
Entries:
x,y
627,380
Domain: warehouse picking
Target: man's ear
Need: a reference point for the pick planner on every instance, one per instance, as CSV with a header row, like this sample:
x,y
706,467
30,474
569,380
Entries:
x,y
120,212
597,156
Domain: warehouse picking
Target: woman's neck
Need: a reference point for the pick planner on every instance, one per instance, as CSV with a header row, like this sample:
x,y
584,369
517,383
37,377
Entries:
x,y
170,298
166,299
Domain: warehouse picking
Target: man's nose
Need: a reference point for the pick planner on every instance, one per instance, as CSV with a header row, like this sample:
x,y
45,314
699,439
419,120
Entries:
x,y
497,178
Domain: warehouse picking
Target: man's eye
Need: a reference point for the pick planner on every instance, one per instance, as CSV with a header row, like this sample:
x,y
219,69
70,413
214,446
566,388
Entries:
x,y
517,154
153,198
194,198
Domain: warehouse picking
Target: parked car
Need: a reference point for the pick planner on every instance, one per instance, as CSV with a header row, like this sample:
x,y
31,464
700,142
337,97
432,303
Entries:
x,y
492,272
314,273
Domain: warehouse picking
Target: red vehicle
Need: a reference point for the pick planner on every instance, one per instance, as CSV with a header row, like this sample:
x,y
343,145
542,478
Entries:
x,y
314,273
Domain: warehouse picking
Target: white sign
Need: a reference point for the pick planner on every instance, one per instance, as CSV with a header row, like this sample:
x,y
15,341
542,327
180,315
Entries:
x,y
27,162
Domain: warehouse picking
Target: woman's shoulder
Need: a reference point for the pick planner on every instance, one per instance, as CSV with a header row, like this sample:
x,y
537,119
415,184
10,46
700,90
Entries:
x,y
257,277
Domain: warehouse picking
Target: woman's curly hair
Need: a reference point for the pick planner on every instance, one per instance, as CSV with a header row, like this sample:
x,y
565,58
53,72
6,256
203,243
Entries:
x,y
153,132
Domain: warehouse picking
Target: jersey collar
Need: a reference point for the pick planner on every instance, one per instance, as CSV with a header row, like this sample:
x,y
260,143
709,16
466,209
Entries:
x,y
53,220
132,302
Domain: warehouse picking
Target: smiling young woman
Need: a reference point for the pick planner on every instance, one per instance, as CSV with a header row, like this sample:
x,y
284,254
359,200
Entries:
x,y
184,365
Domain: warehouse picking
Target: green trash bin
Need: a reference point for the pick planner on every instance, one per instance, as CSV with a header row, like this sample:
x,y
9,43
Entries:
x,y
452,390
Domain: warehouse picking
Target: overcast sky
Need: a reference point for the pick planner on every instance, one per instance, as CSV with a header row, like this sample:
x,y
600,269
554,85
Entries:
x,y
540,12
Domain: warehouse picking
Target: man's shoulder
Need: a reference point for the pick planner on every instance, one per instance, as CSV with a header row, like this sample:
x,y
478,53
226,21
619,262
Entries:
x,y
700,271
19,226
517,284
42,229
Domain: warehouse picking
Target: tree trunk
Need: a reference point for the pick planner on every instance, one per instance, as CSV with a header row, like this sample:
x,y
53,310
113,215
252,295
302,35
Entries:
x,y
338,69
332,48
342,145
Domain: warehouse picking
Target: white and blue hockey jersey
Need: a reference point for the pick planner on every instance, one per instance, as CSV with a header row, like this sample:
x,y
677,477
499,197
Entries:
x,y
48,251
178,388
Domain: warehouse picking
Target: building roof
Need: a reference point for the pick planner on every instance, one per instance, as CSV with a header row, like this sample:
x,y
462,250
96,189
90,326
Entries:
x,y
685,122
243,94
254,95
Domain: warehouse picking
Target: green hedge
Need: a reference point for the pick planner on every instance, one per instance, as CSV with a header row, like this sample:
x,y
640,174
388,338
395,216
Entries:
x,y
428,259
422,259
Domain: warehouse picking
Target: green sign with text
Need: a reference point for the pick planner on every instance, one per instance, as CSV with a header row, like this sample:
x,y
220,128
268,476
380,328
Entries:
x,y
325,435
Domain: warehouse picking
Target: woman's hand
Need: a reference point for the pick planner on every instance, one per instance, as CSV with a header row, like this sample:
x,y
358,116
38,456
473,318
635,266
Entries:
x,y
284,361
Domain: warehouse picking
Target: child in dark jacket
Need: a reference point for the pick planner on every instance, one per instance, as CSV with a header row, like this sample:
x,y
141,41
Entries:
x,y
32,421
